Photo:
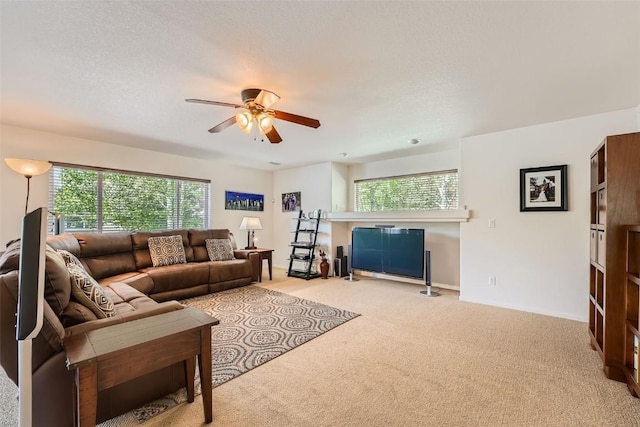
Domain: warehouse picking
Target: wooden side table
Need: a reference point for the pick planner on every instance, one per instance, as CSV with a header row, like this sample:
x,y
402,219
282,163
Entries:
x,y
112,355
264,254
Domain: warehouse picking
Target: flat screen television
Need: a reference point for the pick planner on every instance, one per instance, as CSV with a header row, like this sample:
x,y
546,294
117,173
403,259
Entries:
x,y
389,250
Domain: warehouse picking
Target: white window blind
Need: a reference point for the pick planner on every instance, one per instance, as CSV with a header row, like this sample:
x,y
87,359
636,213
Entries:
x,y
428,191
102,200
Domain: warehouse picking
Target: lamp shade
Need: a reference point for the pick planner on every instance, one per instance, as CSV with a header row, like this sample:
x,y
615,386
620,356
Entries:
x,y
28,167
265,123
244,119
251,223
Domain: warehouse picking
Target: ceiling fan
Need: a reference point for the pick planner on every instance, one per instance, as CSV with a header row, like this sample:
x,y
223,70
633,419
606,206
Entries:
x,y
255,107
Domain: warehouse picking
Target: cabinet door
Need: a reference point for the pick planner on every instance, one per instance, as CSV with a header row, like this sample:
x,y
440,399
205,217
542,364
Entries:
x,y
593,246
594,170
602,206
601,247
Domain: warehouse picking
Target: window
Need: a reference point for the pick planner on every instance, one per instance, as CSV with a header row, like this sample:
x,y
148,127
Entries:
x,y
428,191
106,200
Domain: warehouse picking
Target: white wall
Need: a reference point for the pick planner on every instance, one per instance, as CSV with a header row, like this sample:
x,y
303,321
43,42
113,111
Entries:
x,y
314,184
339,231
339,187
30,144
539,259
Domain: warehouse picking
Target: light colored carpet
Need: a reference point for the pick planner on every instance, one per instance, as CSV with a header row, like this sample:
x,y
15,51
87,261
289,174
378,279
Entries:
x,y
256,326
409,360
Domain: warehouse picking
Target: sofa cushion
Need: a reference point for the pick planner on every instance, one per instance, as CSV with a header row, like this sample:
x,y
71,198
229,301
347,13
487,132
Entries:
x,y
68,242
166,250
76,313
85,289
126,299
140,242
126,316
57,290
57,286
179,276
106,254
223,271
139,281
219,249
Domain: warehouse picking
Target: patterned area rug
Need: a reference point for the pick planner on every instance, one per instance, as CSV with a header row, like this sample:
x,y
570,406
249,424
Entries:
x,y
256,325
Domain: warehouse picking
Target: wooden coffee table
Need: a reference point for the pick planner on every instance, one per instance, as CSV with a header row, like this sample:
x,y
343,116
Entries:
x,y
114,354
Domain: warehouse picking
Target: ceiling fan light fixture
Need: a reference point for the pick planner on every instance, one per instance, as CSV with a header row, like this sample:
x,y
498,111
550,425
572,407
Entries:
x,y
245,121
256,107
265,123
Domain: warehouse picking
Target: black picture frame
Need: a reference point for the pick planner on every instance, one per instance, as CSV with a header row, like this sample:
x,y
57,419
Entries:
x,y
543,189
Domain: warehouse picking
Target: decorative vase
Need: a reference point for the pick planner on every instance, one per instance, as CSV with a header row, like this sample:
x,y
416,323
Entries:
x,y
324,268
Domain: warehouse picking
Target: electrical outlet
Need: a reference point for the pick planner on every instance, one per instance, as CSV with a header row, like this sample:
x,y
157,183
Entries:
x,y
492,281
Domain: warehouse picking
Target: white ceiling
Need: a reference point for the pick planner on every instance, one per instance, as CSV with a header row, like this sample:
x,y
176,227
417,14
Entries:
x,y
375,74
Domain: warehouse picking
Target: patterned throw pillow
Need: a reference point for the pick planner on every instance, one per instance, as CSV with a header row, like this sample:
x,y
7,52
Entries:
x,y
69,258
219,249
85,289
166,250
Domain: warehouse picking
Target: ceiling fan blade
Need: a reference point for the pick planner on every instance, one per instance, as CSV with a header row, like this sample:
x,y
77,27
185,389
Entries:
x,y
222,126
274,136
266,98
294,118
222,104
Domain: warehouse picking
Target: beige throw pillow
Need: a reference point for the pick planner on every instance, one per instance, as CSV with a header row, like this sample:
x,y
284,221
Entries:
x,y
85,289
219,249
166,250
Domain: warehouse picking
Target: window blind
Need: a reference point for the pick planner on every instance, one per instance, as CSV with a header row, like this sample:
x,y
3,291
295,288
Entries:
x,y
427,191
104,200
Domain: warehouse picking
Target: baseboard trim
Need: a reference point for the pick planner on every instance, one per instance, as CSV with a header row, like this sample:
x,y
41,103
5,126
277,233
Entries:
x,y
527,309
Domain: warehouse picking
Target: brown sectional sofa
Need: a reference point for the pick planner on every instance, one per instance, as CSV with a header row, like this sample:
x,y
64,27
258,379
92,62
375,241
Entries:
x,y
121,263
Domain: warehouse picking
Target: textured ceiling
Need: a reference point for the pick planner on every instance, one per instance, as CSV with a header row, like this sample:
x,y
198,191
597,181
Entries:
x,y
375,74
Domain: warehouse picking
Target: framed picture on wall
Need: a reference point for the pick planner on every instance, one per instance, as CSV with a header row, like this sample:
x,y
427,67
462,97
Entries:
x,y
237,201
543,189
291,202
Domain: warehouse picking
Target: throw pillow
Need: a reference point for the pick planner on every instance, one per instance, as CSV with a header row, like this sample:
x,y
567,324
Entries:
x,y
166,250
86,290
69,258
219,249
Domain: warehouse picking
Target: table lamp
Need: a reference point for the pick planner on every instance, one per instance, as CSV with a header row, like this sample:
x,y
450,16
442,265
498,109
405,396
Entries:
x,y
250,223
28,168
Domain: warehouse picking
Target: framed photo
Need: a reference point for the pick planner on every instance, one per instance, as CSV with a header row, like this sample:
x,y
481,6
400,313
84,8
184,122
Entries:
x,y
543,189
291,202
236,201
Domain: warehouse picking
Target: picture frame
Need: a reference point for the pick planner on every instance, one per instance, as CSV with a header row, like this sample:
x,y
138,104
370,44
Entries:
x,y
543,189
291,201
238,201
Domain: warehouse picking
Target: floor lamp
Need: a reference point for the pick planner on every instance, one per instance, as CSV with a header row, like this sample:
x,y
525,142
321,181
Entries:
x,y
250,223
28,168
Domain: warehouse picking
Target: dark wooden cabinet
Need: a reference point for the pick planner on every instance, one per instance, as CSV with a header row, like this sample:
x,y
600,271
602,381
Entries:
x,y
632,336
615,204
